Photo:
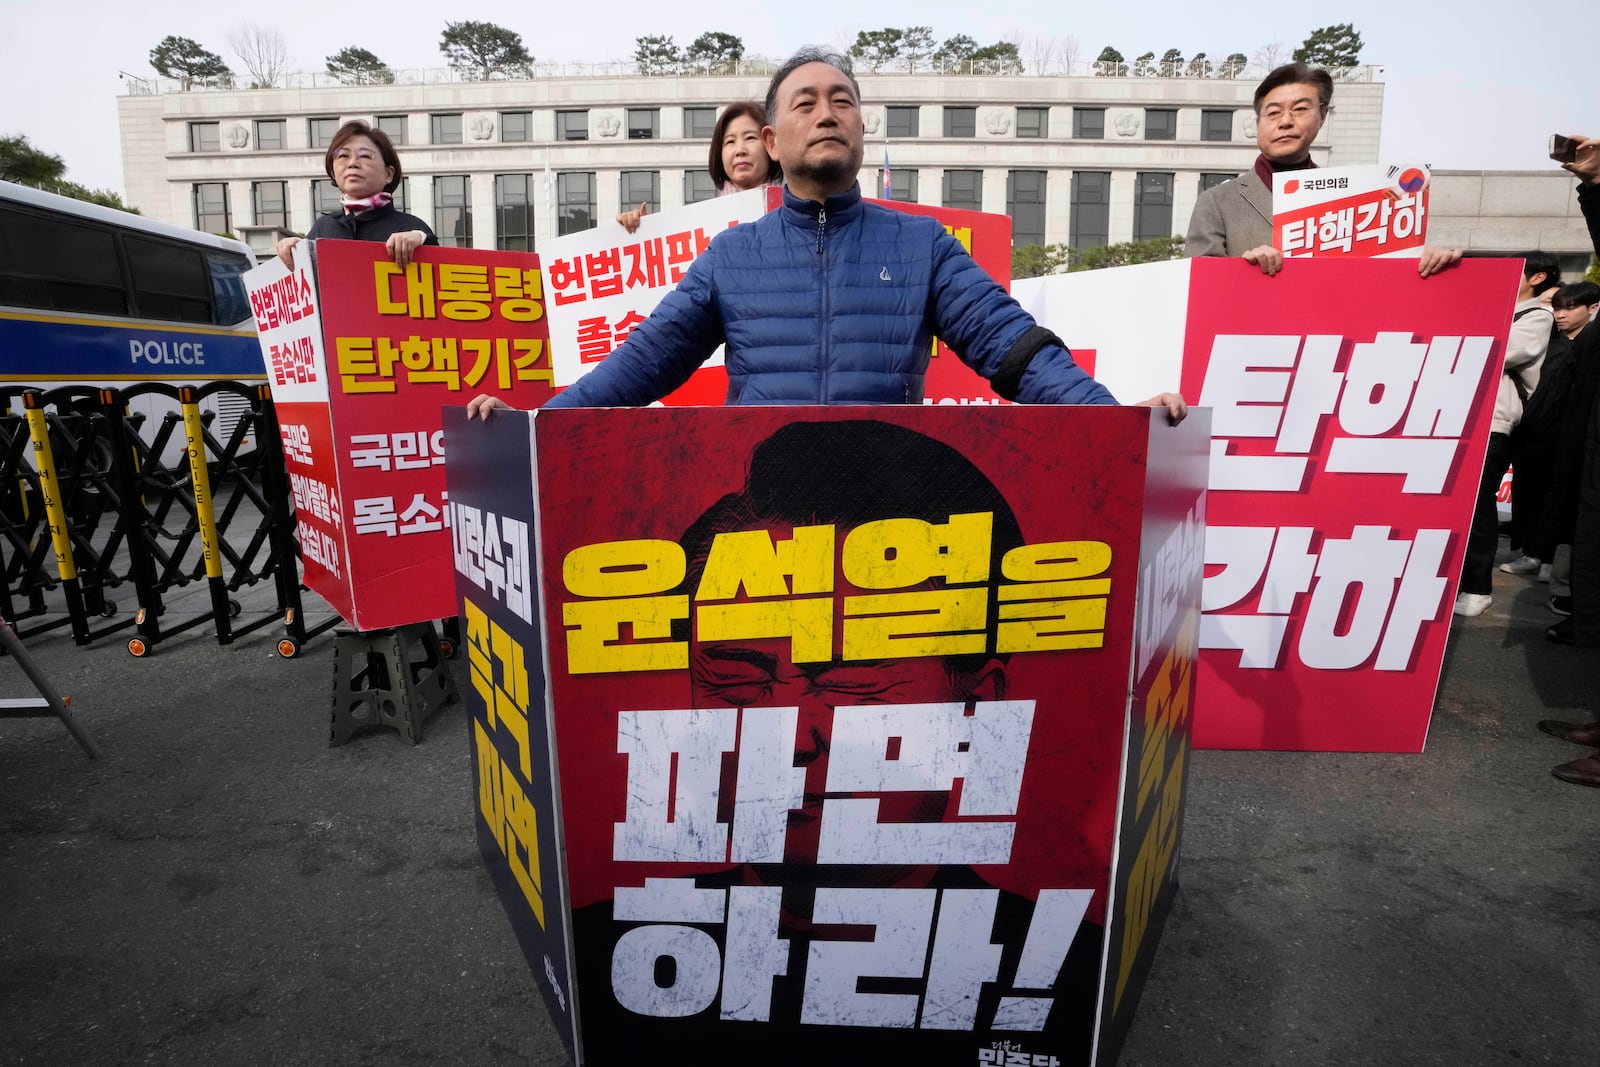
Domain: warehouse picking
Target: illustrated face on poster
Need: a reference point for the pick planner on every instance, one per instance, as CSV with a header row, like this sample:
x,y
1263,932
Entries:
x,y
833,701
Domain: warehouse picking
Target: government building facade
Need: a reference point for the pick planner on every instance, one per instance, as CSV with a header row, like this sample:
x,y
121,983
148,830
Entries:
x,y
508,163
1076,160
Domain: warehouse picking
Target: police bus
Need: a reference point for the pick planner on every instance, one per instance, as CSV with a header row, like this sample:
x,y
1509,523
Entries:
x,y
98,297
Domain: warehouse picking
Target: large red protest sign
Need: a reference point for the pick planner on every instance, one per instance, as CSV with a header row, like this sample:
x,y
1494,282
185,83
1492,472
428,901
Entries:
x,y
1351,403
1351,410
360,356
822,785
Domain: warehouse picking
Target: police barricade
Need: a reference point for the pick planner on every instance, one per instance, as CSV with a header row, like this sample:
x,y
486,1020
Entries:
x,y
139,488
24,535
832,735
60,516
1351,407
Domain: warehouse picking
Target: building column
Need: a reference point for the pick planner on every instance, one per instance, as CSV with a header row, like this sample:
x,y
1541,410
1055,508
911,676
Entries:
x,y
994,190
1123,185
485,225
420,198
607,194
1185,193
302,213
1057,206
241,211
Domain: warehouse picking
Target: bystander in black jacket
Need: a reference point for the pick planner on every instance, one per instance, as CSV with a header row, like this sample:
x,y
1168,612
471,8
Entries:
x,y
1572,512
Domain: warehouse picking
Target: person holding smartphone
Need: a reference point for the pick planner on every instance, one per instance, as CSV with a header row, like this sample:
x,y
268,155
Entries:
x,y
1580,156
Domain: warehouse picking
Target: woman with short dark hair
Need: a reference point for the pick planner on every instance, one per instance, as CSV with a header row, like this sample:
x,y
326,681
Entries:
x,y
366,170
738,159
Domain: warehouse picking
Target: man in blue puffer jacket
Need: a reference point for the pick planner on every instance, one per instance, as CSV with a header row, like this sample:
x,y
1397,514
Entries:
x,y
832,300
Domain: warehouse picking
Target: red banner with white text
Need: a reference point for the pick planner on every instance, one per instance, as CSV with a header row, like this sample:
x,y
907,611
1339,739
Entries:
x,y
1351,403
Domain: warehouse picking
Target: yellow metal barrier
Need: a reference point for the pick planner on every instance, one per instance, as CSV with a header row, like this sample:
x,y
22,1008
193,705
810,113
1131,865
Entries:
x,y
49,486
200,475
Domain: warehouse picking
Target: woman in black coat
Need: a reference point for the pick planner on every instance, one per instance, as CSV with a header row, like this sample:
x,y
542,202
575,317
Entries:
x,y
366,170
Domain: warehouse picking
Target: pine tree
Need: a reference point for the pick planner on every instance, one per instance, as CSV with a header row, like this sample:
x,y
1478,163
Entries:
x,y
1335,47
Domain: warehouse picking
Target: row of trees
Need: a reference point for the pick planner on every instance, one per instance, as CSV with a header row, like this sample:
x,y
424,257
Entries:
x,y
475,50
24,164
1111,63
912,49
483,50
1335,48
710,53
1035,261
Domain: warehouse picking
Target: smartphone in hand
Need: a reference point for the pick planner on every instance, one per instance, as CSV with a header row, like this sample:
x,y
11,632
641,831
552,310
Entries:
x,y
1563,149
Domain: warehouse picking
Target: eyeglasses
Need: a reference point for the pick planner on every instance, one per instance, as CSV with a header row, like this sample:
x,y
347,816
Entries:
x,y
1299,111
345,155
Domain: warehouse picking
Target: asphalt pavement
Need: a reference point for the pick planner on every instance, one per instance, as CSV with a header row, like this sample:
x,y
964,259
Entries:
x,y
221,887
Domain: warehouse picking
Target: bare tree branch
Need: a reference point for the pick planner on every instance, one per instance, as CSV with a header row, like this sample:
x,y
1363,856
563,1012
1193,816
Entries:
x,y
262,51
1068,48
1270,57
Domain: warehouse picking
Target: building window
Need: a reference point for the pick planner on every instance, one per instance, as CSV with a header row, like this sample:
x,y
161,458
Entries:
x,y
903,122
205,137
963,189
903,185
1152,207
324,196
513,212
269,134
574,202
269,204
1089,122
446,129
1091,209
1210,180
1033,122
452,209
699,122
644,123
514,125
1160,123
961,122
641,186
402,195
1216,125
55,263
1025,205
169,281
211,207
697,186
572,126
319,132
393,126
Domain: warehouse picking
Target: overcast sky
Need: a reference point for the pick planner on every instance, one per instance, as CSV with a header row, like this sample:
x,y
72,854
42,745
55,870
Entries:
x,y
1470,85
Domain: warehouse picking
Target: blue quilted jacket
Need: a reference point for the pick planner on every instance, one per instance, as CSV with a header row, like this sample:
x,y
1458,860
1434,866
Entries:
x,y
833,303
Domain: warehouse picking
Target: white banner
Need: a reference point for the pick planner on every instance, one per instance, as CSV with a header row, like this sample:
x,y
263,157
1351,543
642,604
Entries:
x,y
601,283
289,321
